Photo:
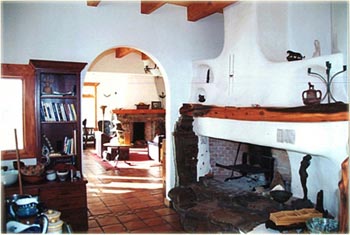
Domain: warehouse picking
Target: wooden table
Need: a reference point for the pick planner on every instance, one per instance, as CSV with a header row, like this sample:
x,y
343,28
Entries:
x,y
118,151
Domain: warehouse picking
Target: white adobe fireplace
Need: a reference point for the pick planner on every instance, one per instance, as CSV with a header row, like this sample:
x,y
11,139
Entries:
x,y
259,82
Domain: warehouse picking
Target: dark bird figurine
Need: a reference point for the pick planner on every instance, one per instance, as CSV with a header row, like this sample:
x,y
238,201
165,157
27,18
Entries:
x,y
294,56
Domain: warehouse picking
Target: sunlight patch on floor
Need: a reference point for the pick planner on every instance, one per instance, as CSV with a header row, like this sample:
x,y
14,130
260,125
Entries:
x,y
92,190
116,191
131,185
117,177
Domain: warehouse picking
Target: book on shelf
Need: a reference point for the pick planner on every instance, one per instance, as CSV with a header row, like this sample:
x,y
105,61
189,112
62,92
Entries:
x,y
47,111
64,117
58,115
69,144
57,112
74,114
68,112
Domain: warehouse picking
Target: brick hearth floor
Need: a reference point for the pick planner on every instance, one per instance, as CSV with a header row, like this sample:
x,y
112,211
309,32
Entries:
x,y
127,200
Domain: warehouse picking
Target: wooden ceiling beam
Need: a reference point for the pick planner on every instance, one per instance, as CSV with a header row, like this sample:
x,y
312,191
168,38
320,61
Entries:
x,y
120,52
144,56
93,3
199,10
147,7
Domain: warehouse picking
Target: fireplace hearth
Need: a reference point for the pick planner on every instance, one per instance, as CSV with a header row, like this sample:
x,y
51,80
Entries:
x,y
215,206
212,204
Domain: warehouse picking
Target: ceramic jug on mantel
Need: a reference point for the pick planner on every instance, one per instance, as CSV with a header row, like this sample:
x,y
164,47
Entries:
x,y
312,96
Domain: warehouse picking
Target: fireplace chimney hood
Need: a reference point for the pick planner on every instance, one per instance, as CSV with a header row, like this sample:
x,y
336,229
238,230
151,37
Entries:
x,y
243,79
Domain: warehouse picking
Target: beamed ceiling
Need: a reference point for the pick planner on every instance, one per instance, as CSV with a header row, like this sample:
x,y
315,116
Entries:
x,y
196,10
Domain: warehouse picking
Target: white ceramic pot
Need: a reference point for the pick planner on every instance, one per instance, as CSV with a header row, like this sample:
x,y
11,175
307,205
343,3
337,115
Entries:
x,y
62,175
55,226
50,175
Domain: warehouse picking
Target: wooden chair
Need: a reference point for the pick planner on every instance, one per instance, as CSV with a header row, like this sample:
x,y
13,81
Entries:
x,y
88,135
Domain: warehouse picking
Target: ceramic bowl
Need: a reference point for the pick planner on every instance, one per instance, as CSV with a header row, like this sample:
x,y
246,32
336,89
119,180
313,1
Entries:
x,y
33,173
322,225
9,177
33,170
62,174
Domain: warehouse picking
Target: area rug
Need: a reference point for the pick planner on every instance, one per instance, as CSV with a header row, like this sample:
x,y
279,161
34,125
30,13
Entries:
x,y
138,158
138,154
105,164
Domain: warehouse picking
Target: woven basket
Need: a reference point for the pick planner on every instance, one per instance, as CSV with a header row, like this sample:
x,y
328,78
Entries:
x,y
142,106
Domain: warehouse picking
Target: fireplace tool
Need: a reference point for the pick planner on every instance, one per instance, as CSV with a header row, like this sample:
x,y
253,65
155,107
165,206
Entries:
x,y
256,164
328,80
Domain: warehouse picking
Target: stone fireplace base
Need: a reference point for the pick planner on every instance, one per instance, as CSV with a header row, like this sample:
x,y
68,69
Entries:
x,y
215,206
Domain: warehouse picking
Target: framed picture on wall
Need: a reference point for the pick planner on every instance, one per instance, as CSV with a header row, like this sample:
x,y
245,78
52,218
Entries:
x,y
156,105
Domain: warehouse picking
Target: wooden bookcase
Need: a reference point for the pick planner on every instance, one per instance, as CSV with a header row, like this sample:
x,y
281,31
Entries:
x,y
57,115
57,105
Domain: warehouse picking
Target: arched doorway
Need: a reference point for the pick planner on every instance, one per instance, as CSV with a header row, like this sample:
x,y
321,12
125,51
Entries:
x,y
125,72
119,79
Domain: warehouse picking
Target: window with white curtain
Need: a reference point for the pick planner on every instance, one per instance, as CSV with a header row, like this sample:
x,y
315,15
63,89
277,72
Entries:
x,y
11,117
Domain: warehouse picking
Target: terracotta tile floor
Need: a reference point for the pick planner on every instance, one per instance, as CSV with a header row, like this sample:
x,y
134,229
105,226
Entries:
x,y
127,200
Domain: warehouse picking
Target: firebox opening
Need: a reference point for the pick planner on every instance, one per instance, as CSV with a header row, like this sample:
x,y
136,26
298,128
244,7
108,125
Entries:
x,y
139,132
270,166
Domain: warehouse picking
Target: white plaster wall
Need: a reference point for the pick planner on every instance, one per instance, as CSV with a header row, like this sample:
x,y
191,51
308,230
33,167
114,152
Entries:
x,y
71,31
273,29
340,38
307,22
283,82
122,90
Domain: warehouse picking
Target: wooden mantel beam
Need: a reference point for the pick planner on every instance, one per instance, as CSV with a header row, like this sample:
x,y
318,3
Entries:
x,y
93,3
147,7
199,10
314,113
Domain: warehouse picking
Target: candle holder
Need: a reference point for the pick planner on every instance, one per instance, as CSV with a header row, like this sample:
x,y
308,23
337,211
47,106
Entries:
x,y
103,107
328,80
